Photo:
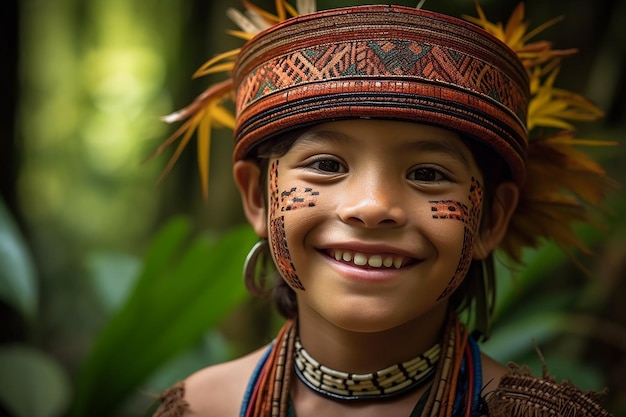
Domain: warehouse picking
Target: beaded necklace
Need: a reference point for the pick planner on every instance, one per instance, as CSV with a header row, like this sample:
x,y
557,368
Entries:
x,y
455,390
389,382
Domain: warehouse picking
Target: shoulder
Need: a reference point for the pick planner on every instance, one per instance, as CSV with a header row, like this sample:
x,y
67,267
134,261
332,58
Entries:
x,y
493,372
217,390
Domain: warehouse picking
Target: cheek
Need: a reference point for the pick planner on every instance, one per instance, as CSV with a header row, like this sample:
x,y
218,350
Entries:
x,y
282,203
469,216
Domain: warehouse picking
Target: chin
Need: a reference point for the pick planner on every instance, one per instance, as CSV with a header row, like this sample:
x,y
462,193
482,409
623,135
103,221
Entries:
x,y
367,320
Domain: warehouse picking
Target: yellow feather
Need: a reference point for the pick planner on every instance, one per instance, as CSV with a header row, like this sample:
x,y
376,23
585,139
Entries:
x,y
223,118
225,67
203,70
241,34
266,15
189,130
483,22
280,10
204,145
515,27
290,9
541,28
545,121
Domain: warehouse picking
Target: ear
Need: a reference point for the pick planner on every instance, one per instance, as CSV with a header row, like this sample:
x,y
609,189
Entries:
x,y
247,175
503,206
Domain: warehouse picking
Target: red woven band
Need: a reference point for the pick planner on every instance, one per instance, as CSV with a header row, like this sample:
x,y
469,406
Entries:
x,y
385,62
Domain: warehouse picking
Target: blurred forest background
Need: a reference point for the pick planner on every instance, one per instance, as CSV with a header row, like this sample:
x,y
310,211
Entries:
x,y
113,287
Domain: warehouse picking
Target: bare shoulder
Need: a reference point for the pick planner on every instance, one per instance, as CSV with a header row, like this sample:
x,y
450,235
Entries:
x,y
218,390
493,372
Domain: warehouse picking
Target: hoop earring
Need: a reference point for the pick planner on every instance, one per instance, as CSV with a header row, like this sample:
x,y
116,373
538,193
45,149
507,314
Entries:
x,y
255,267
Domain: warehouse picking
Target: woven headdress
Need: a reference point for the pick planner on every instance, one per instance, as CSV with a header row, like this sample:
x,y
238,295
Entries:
x,y
485,81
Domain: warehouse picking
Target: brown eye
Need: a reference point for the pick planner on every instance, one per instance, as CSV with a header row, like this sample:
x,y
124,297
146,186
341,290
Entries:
x,y
328,165
425,175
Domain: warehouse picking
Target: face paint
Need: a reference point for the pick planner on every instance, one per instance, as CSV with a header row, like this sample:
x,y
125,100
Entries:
x,y
287,200
470,216
298,197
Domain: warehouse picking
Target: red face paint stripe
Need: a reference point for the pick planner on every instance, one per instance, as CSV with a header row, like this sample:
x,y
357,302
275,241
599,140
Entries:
x,y
462,267
449,209
277,232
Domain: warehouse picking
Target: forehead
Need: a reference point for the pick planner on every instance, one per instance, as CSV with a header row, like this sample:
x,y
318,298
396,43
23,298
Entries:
x,y
386,136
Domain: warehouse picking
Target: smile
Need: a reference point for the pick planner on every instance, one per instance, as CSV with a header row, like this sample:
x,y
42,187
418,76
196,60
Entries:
x,y
371,260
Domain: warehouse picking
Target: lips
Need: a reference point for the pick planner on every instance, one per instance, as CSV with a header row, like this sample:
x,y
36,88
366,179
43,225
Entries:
x,y
369,260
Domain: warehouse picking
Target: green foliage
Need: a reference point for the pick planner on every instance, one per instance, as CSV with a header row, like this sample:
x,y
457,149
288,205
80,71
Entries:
x,y
18,284
184,289
113,275
32,384
530,316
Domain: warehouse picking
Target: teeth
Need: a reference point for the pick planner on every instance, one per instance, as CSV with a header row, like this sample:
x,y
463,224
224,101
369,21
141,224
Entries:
x,y
374,261
360,259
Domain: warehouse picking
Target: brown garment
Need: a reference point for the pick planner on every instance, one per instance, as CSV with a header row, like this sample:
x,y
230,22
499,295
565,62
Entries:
x,y
519,395
172,402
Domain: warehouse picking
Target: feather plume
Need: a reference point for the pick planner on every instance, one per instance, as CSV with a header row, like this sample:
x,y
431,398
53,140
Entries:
x,y
516,35
563,185
203,113
554,107
206,111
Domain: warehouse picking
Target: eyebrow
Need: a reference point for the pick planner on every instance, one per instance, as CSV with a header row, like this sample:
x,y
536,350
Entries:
x,y
439,146
427,144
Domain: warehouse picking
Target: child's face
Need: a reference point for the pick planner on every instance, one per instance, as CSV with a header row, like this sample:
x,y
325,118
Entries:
x,y
373,223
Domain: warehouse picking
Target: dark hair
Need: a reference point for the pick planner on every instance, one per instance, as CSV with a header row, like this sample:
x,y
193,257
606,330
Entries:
x,y
478,288
480,280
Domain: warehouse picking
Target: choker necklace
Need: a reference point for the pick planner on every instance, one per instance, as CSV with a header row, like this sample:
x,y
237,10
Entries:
x,y
392,381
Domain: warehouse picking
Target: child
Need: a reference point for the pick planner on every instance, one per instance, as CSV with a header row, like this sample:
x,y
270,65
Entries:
x,y
382,154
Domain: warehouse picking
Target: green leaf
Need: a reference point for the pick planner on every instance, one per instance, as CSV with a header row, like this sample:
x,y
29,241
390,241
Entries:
x,y
184,289
212,349
514,281
537,264
32,384
18,285
114,275
515,340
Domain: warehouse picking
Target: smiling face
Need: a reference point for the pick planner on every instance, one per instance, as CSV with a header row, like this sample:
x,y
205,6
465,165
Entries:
x,y
372,223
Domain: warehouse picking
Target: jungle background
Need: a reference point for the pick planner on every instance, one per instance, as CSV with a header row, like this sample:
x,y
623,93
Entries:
x,y
113,286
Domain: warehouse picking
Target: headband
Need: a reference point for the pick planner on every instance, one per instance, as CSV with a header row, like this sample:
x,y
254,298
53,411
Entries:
x,y
485,81
383,62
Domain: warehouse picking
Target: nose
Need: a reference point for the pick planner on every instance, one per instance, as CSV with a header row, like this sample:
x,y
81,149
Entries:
x,y
372,204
